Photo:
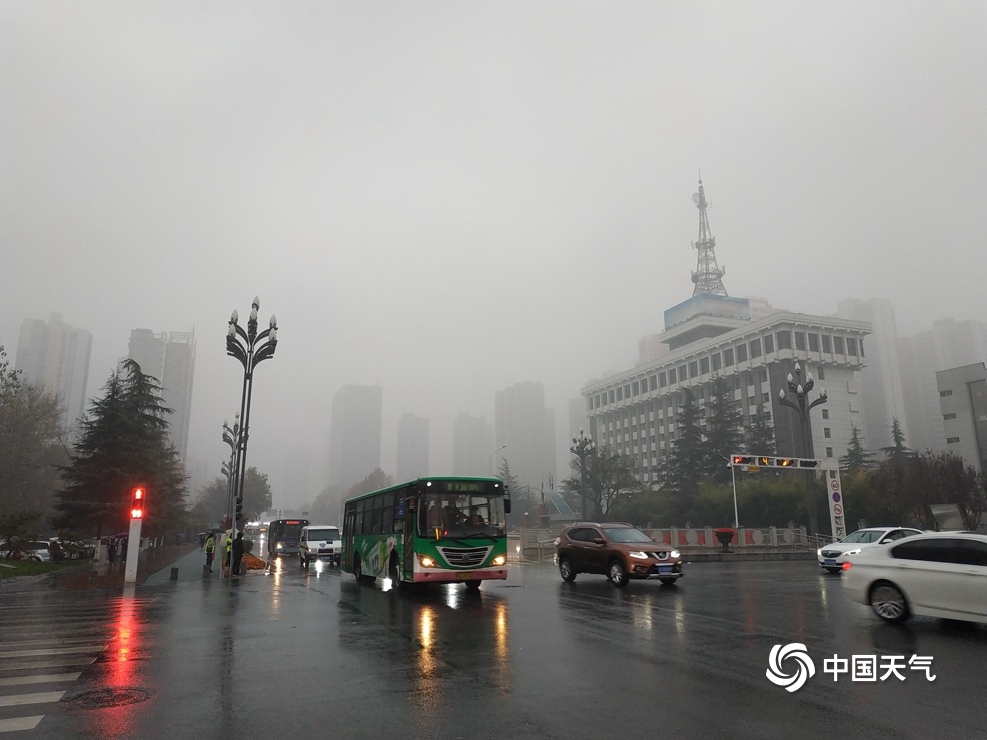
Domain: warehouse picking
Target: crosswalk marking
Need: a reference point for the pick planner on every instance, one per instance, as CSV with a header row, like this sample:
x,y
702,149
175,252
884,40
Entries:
x,y
18,700
39,678
20,723
80,660
51,651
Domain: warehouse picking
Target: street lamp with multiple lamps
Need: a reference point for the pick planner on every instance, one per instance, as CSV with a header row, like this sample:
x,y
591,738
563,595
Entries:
x,y
231,436
582,447
250,348
802,406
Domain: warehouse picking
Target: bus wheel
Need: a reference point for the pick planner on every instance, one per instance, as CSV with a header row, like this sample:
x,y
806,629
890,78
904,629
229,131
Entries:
x,y
472,585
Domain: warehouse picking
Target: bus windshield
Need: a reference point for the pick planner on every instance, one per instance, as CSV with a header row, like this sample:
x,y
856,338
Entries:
x,y
461,515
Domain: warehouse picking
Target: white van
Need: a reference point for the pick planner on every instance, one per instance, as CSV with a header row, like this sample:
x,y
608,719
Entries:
x,y
319,542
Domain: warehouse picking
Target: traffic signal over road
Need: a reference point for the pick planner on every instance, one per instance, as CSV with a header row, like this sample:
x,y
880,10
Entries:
x,y
137,503
766,461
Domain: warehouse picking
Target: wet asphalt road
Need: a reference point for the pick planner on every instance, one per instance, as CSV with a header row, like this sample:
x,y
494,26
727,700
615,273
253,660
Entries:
x,y
275,655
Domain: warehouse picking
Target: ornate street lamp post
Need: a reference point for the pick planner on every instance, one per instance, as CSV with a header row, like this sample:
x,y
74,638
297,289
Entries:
x,y
231,436
582,447
250,348
802,407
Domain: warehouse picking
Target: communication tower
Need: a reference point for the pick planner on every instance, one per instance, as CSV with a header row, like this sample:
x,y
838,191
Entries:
x,y
708,277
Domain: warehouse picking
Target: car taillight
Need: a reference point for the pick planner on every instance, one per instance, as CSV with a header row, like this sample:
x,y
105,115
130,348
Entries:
x,y
847,565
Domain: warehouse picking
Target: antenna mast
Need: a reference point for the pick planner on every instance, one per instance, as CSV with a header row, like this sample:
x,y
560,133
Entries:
x,y
708,277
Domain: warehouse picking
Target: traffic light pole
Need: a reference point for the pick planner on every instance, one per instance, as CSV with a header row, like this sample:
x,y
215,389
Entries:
x,y
133,551
733,478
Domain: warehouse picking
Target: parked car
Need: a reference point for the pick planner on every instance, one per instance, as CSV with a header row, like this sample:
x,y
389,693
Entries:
x,y
934,574
832,556
619,551
319,542
36,550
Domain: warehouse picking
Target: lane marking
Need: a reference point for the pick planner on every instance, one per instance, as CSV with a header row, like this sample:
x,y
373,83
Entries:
x,y
40,678
20,723
51,651
81,660
18,700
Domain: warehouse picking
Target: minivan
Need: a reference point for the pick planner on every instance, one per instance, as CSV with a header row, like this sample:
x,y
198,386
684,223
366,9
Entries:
x,y
319,542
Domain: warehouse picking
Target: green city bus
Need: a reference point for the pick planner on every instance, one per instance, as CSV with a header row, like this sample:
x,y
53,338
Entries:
x,y
429,530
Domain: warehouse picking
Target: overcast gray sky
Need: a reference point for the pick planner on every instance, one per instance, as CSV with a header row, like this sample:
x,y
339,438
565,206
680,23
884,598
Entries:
x,y
447,198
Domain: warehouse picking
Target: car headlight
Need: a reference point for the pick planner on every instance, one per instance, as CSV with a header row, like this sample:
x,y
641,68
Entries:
x,y
638,555
426,561
279,546
500,560
819,553
853,552
674,554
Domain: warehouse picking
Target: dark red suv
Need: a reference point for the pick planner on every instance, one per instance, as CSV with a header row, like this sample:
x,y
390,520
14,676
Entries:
x,y
617,550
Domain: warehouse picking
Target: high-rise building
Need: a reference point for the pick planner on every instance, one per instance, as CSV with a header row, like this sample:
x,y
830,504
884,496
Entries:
x,y
527,427
472,446
412,459
880,379
963,402
354,434
949,344
56,356
169,357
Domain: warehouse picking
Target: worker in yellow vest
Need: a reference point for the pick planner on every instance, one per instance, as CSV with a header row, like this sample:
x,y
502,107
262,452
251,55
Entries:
x,y
210,548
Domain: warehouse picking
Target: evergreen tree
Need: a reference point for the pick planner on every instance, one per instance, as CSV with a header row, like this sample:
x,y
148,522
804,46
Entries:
x,y
123,442
856,457
683,468
759,436
724,430
897,451
522,500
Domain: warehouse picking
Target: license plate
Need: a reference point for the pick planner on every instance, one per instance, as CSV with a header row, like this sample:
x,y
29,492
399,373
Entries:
x,y
465,576
665,569
829,561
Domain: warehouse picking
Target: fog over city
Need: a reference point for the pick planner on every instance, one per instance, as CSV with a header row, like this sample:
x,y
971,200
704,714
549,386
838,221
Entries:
x,y
448,198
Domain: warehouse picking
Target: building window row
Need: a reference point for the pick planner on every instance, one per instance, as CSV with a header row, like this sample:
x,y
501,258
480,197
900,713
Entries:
x,y
730,356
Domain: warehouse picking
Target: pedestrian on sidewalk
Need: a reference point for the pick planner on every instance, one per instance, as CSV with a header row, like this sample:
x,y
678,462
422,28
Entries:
x,y
237,554
111,551
210,548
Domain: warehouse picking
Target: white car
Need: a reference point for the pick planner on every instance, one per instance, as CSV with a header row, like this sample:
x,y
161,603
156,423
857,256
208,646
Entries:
x,y
319,542
934,574
832,556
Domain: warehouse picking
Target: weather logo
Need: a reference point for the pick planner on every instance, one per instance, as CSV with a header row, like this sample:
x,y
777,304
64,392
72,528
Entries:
x,y
793,651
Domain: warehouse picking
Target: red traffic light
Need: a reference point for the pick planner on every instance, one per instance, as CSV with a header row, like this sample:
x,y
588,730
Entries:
x,y
742,460
137,503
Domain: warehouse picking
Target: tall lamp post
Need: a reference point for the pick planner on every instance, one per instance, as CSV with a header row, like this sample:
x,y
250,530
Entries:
x,y
231,436
490,463
582,447
250,348
802,406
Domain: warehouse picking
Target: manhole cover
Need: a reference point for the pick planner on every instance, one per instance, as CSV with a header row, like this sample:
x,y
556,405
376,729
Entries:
x,y
106,698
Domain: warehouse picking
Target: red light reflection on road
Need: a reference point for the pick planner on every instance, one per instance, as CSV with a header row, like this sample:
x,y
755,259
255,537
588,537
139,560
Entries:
x,y
118,720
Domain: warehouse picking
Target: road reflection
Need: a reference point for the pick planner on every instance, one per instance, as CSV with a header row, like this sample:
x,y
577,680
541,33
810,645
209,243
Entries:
x,y
431,635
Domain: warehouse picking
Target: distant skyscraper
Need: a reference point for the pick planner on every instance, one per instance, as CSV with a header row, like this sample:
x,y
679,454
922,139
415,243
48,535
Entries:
x,y
950,344
354,434
527,427
56,356
472,446
169,358
412,447
881,390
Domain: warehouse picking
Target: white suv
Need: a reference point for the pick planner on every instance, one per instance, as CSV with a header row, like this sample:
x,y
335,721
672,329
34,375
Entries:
x,y
319,542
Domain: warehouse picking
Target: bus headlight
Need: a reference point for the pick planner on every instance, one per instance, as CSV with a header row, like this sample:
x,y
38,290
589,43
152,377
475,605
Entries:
x,y
500,560
426,561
